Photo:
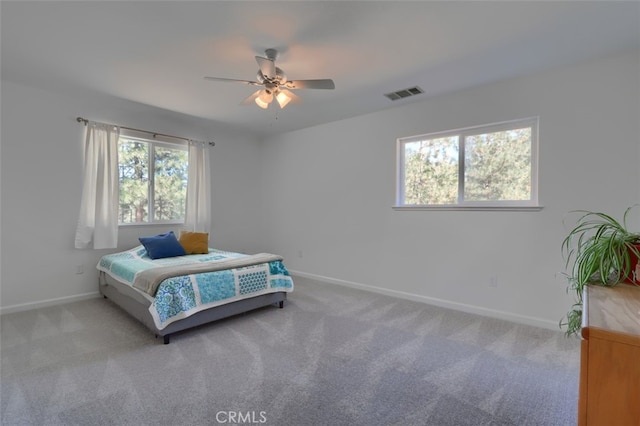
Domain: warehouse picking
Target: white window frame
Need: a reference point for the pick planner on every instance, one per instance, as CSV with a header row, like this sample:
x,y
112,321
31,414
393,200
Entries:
x,y
157,142
462,134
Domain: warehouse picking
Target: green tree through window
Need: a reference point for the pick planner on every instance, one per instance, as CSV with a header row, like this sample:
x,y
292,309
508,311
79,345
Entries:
x,y
493,165
498,166
431,171
153,181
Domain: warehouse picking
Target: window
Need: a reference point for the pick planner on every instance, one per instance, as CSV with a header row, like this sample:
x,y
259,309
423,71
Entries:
x,y
485,167
153,181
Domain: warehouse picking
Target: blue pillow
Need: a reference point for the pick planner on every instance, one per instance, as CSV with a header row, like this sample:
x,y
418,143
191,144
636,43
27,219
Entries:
x,y
162,245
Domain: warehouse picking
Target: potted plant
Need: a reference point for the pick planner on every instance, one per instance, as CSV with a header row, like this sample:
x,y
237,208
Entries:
x,y
598,250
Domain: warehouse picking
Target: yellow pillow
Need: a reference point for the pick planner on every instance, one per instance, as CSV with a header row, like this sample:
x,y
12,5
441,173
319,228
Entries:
x,y
194,242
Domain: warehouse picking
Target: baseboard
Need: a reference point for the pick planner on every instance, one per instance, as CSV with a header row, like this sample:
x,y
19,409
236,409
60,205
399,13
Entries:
x,y
479,310
50,302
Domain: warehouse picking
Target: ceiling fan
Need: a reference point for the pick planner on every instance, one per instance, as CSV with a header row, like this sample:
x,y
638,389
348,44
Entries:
x,y
275,83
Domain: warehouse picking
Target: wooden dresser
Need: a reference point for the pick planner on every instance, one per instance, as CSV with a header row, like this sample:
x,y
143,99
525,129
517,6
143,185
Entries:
x,y
610,357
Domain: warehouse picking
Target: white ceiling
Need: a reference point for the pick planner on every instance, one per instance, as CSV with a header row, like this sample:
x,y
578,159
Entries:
x,y
157,53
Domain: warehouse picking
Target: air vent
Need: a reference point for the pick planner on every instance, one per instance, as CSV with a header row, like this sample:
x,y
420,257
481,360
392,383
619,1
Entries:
x,y
404,93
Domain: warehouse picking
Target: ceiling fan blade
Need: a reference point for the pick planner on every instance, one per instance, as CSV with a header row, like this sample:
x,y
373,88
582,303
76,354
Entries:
x,y
233,80
267,67
252,98
310,84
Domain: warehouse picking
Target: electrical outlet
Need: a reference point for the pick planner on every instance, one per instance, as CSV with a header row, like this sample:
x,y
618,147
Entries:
x,y
79,269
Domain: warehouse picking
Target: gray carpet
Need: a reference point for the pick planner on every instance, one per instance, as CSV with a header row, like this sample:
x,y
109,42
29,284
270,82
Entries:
x,y
332,356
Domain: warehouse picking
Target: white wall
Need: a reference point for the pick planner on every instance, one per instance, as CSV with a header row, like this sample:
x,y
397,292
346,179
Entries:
x,y
327,192
41,188
333,188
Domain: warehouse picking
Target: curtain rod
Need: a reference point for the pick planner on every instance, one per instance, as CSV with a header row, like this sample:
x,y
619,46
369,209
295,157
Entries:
x,y
211,143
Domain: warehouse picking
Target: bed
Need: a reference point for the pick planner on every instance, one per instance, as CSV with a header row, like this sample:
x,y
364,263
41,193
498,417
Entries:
x,y
172,294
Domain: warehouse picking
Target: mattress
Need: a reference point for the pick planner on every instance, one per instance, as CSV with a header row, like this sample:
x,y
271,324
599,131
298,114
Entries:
x,y
182,296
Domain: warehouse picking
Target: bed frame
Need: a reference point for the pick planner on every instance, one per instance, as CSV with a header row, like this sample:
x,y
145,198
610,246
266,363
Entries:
x,y
137,305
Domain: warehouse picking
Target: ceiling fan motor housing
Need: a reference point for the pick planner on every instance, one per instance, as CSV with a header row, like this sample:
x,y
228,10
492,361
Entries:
x,y
271,54
279,78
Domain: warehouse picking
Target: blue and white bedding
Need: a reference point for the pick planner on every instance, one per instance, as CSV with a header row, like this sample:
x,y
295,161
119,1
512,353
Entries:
x,y
181,296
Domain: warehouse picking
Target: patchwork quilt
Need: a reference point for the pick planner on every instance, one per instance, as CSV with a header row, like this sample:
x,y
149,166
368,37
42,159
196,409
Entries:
x,y
181,296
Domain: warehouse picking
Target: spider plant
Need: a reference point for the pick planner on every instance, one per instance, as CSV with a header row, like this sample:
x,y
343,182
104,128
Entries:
x,y
598,250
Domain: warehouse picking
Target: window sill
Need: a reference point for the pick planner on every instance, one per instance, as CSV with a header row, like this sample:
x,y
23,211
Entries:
x,y
470,208
143,224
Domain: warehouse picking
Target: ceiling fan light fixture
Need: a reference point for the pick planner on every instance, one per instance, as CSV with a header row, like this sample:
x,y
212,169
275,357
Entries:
x,y
264,99
283,98
261,103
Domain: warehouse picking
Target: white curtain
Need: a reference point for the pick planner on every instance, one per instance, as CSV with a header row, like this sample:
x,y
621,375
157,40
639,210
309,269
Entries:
x,y
198,214
98,220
